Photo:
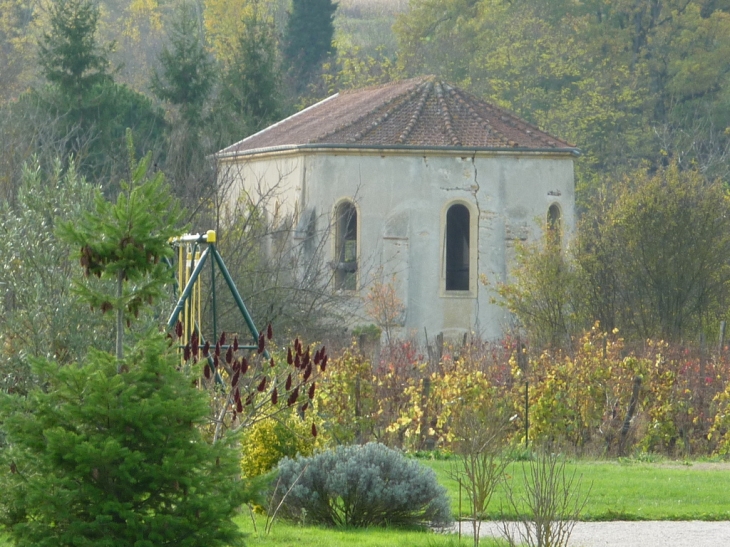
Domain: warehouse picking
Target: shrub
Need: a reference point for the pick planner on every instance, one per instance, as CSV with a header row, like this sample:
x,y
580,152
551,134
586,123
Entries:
x,y
100,458
548,507
266,442
368,485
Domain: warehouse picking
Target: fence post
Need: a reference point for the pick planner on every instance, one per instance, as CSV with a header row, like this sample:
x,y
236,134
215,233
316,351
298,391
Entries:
x,y
721,342
522,364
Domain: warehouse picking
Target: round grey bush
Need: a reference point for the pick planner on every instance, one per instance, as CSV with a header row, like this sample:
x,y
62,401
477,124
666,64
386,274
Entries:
x,y
368,485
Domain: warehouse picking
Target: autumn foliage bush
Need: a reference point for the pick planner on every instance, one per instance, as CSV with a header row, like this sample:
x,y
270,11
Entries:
x,y
268,441
597,397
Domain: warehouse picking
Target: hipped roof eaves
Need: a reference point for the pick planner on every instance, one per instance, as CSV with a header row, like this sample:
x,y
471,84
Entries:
x,y
456,150
421,112
272,126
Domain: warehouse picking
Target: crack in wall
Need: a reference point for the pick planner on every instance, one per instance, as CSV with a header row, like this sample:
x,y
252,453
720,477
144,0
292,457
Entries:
x,y
477,242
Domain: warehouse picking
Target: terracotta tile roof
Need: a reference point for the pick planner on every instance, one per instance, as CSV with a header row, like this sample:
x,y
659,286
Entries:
x,y
417,112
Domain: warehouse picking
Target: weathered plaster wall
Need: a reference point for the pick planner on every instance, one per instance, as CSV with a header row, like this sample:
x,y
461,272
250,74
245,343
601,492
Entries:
x,y
402,201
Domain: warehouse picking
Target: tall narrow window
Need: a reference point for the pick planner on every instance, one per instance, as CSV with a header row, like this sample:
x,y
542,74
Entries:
x,y
553,224
346,247
457,248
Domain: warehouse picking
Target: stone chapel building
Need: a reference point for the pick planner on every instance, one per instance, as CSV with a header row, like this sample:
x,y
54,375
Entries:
x,y
415,183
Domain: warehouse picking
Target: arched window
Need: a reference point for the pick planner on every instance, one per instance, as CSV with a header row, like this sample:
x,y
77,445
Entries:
x,y
553,224
457,248
346,246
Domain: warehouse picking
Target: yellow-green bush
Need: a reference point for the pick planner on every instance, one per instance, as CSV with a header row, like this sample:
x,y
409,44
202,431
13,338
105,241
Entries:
x,y
272,439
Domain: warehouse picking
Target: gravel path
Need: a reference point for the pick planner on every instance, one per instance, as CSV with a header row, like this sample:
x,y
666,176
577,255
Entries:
x,y
635,534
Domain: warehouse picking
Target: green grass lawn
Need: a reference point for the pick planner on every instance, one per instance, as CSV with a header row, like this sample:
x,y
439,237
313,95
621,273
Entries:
x,y
284,534
620,491
629,490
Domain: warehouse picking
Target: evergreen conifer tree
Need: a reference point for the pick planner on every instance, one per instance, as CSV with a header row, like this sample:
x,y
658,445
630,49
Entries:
x,y
308,42
68,54
93,110
107,459
125,242
251,83
187,72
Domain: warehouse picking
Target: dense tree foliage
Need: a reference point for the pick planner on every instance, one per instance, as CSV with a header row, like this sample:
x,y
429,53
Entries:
x,y
39,314
93,110
597,73
97,457
113,451
308,41
186,78
250,95
652,258
69,54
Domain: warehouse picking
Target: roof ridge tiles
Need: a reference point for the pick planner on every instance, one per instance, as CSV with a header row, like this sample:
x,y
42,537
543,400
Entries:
x,y
446,114
515,121
355,121
486,124
425,89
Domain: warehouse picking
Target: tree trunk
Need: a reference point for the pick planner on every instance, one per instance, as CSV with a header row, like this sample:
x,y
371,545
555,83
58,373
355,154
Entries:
x,y
120,320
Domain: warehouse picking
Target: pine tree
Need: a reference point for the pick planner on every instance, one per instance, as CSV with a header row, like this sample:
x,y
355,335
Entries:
x,y
251,82
93,112
187,72
107,459
309,32
68,54
125,242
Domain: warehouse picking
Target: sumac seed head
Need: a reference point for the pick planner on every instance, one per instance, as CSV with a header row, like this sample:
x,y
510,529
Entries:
x,y
206,371
222,340
289,358
179,329
206,349
235,343
314,430
269,332
195,344
186,352
244,366
271,362
262,384
274,397
288,382
229,355
261,343
234,381
311,390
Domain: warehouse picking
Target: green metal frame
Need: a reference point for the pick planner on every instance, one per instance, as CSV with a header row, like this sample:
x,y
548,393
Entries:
x,y
187,291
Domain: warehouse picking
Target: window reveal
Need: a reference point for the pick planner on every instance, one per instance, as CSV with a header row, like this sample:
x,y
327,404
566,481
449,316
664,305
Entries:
x,y
346,247
457,248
